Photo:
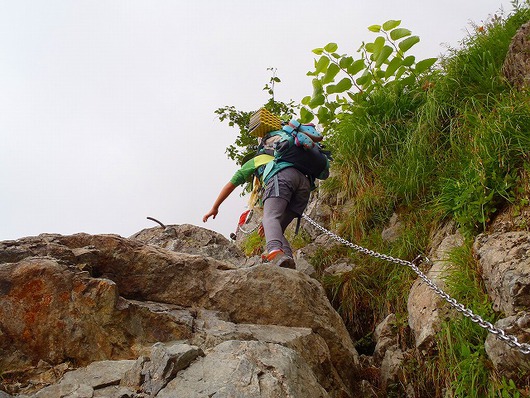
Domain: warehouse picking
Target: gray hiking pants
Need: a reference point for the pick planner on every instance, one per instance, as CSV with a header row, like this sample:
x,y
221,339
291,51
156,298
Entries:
x,y
285,198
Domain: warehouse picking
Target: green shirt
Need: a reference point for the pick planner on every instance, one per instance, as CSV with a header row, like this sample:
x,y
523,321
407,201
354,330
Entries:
x,y
247,170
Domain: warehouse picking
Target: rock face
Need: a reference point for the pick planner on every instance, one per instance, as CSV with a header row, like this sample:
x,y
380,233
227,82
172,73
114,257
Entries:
x,y
249,369
503,257
516,66
161,320
426,309
510,362
505,263
191,239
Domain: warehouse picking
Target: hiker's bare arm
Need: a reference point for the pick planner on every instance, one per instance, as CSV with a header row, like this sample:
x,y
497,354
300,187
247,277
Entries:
x,y
225,192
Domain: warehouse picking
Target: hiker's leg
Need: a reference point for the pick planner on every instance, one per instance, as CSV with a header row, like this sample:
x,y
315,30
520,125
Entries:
x,y
287,218
301,194
273,211
286,196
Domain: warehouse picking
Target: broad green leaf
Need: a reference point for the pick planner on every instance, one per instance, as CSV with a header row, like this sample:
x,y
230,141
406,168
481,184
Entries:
x,y
380,74
356,67
392,67
425,64
383,55
318,51
361,81
409,60
400,71
399,33
306,100
331,89
409,80
332,71
317,87
324,115
406,44
345,62
391,24
331,47
322,64
306,115
369,47
379,42
344,85
317,101
374,28
335,55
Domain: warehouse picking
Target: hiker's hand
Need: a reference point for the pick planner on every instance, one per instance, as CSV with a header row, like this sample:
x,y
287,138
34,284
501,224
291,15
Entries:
x,y
212,213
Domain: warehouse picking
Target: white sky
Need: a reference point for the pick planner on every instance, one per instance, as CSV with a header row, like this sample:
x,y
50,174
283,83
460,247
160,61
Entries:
x,y
107,107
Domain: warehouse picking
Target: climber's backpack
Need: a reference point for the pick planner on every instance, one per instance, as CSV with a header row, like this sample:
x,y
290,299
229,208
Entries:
x,y
298,144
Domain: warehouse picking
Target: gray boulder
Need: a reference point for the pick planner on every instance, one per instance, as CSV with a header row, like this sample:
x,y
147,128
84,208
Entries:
x,y
425,308
94,298
505,263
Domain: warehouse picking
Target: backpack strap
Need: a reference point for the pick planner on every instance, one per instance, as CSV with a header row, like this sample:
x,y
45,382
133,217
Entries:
x,y
293,125
260,163
262,159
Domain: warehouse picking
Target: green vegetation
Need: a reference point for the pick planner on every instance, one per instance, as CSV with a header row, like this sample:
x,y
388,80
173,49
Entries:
x,y
449,143
433,141
245,145
253,244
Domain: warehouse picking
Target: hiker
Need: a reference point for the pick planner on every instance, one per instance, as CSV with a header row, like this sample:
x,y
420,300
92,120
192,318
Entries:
x,y
288,177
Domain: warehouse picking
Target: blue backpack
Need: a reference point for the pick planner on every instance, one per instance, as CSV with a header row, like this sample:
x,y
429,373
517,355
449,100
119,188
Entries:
x,y
299,145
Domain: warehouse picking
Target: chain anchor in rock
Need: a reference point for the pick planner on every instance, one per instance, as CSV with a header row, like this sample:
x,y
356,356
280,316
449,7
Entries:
x,y
510,340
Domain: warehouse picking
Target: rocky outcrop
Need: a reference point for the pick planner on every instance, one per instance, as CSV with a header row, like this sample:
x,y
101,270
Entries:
x,y
516,66
426,309
504,260
191,239
321,209
156,316
508,361
394,229
86,299
505,263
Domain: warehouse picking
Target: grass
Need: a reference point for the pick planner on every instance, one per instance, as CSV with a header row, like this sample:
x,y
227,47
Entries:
x,y
253,244
455,148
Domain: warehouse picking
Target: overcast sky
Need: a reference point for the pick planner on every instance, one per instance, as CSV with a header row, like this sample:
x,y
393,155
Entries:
x,y
107,107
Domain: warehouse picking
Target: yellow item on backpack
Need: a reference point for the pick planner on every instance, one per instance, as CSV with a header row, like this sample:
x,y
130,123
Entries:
x,y
263,122
255,195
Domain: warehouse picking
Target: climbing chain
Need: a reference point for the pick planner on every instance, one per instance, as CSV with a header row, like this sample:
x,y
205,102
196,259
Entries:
x,y
248,231
247,220
499,333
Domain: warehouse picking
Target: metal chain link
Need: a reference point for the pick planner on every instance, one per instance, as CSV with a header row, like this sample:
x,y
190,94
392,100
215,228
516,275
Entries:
x,y
499,333
249,231
247,220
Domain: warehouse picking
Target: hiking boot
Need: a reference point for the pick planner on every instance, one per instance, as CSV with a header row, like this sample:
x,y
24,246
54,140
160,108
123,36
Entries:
x,y
269,258
279,258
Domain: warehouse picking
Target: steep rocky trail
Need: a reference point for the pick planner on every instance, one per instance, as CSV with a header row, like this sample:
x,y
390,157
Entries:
x,y
127,311
180,311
